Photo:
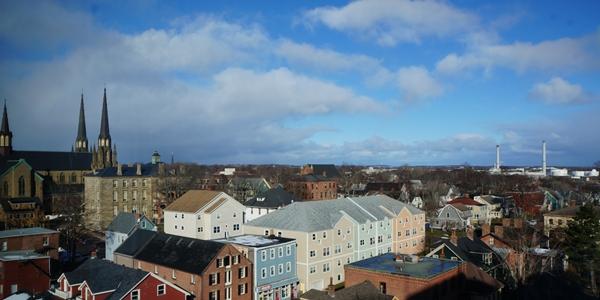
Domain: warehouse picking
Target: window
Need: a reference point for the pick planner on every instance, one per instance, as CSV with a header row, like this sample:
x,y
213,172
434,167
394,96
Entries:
x,y
288,250
214,295
124,183
313,269
272,270
134,196
228,277
236,227
324,234
380,239
280,268
326,267
312,253
199,229
407,233
349,245
263,273
216,229
115,183
551,221
272,253
314,236
182,215
288,266
242,271
4,246
339,232
242,288
236,259
280,252
219,263
135,295
263,255
160,290
560,222
115,196
124,195
382,287
362,242
372,241
338,249
134,183
326,251
213,279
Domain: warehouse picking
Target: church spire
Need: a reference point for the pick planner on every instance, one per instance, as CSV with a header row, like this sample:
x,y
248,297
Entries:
x,y
104,130
81,143
5,134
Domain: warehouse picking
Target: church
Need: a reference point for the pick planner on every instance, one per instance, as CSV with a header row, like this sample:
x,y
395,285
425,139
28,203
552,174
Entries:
x,y
34,182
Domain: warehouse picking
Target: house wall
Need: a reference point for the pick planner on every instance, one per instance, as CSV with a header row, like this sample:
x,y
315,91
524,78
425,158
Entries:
x,y
113,241
554,222
32,242
284,254
123,260
33,184
409,232
449,217
148,290
26,276
226,216
313,190
255,212
182,224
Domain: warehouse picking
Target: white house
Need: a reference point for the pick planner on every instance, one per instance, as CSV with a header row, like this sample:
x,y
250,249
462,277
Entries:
x,y
123,225
204,214
267,202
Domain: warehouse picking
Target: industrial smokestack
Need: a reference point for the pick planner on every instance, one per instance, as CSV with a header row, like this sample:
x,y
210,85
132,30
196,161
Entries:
x,y
498,157
544,158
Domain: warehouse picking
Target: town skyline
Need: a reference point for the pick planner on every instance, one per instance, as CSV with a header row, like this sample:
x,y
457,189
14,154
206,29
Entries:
x,y
326,86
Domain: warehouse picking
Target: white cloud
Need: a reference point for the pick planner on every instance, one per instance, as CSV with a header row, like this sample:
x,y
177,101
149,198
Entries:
x,y
416,83
392,21
564,54
558,91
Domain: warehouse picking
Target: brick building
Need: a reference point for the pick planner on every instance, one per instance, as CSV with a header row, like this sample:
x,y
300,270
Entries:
x,y
207,269
23,271
312,187
411,277
36,239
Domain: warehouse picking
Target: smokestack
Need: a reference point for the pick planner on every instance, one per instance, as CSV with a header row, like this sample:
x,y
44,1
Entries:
x,y
498,157
544,158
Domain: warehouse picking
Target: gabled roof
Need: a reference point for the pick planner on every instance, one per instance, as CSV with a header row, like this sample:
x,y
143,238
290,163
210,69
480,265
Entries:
x,y
273,198
363,290
53,160
135,242
180,253
25,232
124,222
310,216
103,276
194,200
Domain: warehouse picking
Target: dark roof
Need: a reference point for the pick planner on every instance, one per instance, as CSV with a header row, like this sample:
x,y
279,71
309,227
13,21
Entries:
x,y
328,170
180,253
6,203
467,249
425,267
273,198
135,242
5,128
103,275
465,201
7,165
311,178
123,223
104,130
382,186
363,290
81,132
52,160
148,169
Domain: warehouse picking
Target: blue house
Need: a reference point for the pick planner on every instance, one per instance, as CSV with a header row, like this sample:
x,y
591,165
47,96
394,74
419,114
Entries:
x,y
121,227
274,263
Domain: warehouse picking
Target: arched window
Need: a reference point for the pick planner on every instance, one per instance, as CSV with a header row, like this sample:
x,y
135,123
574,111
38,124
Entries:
x,y
21,186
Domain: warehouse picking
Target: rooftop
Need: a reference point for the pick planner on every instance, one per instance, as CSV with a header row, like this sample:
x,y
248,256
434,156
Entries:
x,y
127,170
20,255
193,200
425,268
465,201
25,232
570,211
258,241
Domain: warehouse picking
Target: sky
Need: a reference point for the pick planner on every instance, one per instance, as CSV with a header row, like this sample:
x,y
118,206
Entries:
x,y
388,82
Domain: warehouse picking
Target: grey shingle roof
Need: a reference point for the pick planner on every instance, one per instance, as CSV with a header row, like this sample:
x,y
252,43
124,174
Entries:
x,y
53,160
313,216
102,275
123,223
147,170
135,242
364,290
273,198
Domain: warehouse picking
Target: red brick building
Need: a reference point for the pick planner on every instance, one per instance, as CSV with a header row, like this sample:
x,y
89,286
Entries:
x,y
207,269
23,271
410,277
37,239
98,279
312,187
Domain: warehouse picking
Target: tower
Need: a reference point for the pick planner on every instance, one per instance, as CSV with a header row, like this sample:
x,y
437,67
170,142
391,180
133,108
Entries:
x,y
104,156
5,135
544,158
81,143
498,157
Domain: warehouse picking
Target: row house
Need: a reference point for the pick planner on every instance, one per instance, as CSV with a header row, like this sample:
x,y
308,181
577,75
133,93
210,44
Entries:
x,y
207,269
98,279
333,233
204,214
274,264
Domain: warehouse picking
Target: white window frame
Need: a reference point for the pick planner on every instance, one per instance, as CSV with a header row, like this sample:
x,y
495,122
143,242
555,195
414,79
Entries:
x,y
138,295
164,289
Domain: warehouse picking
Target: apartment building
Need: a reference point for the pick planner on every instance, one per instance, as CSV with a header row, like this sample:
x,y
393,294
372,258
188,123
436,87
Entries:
x,y
204,214
333,233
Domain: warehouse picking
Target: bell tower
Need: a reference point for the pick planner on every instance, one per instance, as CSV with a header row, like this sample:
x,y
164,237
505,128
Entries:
x,y
104,156
81,143
5,135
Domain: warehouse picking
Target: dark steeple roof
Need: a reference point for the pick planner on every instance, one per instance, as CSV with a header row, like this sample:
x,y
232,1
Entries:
x,y
104,131
81,132
5,129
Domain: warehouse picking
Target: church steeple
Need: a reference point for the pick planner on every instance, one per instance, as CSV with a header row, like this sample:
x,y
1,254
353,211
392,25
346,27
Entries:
x,y
104,157
5,134
81,143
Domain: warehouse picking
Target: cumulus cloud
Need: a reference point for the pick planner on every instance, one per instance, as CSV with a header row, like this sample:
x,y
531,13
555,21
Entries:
x,y
393,21
565,54
416,83
558,91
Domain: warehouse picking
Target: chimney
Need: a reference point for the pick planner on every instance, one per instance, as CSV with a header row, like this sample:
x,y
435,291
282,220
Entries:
x,y
506,222
518,222
485,229
138,170
499,231
469,231
119,170
454,238
498,157
572,203
93,254
544,158
331,288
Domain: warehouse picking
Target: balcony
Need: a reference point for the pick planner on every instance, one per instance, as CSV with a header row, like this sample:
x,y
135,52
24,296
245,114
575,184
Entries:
x,y
60,294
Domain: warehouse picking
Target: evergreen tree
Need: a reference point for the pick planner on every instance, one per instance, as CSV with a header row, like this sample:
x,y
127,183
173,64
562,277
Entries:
x,y
582,244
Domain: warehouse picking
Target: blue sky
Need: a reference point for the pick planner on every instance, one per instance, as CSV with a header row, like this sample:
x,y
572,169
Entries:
x,y
364,82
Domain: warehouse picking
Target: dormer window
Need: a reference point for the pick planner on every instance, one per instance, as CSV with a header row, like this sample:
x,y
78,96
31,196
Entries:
x,y
260,199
